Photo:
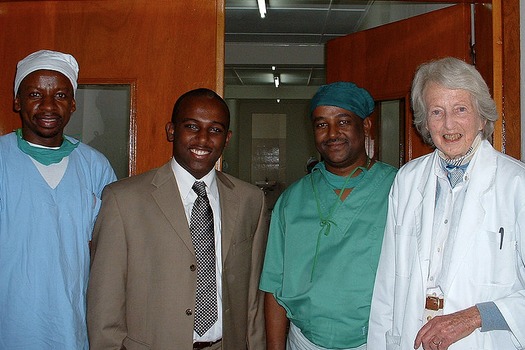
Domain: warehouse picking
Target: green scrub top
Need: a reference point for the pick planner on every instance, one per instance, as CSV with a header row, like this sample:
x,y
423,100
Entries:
x,y
329,302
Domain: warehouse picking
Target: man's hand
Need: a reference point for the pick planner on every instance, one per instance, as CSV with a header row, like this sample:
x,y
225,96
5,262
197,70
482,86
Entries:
x,y
276,323
442,331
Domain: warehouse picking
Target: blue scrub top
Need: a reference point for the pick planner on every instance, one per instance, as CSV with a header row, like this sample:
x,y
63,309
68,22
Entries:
x,y
44,247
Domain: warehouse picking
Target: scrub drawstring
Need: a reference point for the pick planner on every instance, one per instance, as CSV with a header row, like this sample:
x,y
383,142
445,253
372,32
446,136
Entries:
x,y
326,222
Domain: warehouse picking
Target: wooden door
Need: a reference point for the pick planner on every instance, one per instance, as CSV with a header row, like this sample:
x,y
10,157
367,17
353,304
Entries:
x,y
161,48
383,59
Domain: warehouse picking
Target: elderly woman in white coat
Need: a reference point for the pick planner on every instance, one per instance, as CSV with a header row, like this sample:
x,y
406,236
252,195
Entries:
x,y
451,273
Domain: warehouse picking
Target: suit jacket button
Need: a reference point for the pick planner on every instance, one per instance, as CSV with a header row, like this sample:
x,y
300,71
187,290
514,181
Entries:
x,y
189,312
193,267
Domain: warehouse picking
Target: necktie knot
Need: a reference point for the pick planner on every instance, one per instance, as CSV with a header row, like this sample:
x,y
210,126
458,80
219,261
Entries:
x,y
200,188
455,173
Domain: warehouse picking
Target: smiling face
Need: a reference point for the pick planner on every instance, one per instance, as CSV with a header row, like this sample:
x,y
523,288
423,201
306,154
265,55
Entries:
x,y
45,101
199,134
452,119
340,138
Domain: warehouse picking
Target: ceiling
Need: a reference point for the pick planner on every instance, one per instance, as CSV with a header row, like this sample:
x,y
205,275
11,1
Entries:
x,y
292,36
292,21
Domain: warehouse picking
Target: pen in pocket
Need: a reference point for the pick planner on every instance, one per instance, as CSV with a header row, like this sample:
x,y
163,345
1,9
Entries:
x,y
501,234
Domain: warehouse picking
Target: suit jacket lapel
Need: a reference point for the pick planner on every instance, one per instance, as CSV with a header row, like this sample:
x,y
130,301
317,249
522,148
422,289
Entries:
x,y
167,197
229,212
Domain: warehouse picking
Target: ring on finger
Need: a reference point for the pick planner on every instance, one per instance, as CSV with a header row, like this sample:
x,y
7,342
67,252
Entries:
x,y
438,343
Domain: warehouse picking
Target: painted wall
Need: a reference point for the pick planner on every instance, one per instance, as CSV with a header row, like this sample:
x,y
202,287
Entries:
x,y
299,137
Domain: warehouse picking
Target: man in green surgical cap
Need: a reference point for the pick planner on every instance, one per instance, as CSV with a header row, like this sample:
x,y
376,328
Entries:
x,y
326,232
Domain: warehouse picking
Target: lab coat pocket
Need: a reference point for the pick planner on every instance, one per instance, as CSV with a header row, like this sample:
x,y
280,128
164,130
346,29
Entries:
x,y
494,256
393,342
405,242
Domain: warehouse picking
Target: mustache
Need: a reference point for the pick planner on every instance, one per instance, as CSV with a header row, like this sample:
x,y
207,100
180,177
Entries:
x,y
336,140
47,115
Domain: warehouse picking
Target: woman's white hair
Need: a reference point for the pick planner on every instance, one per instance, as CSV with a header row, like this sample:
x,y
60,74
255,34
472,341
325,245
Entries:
x,y
454,74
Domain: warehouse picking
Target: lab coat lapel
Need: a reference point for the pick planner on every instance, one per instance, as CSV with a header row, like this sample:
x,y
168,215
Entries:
x,y
167,197
482,176
229,212
425,210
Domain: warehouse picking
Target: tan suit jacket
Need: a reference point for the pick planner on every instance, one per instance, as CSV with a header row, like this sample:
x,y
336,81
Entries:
x,y
141,292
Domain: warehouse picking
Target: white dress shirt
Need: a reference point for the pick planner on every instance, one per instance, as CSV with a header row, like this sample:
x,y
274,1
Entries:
x,y
185,182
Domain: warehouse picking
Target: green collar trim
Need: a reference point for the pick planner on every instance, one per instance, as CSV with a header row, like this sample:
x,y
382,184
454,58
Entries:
x,y
46,156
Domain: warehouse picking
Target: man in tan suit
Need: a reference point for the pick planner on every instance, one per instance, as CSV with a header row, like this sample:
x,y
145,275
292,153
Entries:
x,y
143,282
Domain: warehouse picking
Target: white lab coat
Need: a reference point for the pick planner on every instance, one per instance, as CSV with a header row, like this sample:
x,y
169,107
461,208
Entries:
x,y
479,270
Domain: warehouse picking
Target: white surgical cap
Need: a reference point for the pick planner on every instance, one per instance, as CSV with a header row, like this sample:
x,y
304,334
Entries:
x,y
49,60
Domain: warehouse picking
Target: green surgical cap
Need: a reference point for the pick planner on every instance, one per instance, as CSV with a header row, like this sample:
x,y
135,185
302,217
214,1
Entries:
x,y
344,95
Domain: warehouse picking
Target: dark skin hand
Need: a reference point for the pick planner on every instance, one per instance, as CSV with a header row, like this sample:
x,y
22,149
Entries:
x,y
442,331
276,323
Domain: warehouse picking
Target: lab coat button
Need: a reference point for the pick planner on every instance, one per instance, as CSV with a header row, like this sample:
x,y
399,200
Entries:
x,y
193,267
189,312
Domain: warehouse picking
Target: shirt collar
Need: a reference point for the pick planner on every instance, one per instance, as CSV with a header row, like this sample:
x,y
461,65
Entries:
x,y
185,181
465,159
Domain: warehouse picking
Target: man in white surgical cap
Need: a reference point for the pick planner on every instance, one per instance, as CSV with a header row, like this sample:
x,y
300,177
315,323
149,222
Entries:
x,y
50,188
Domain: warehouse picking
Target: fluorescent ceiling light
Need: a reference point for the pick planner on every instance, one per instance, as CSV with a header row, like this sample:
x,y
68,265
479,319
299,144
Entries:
x,y
276,80
262,7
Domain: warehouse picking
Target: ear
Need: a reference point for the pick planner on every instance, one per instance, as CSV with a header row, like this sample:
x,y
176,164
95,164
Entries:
x,y
170,131
16,104
367,126
228,137
73,106
483,123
